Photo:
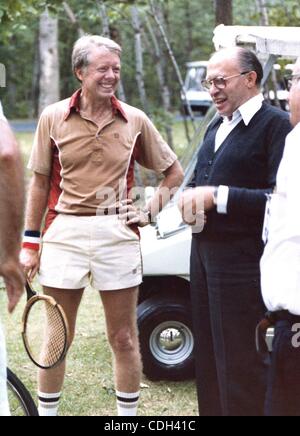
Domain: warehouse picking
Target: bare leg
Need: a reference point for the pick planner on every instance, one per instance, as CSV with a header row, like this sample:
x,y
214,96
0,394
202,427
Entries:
x,y
120,312
51,380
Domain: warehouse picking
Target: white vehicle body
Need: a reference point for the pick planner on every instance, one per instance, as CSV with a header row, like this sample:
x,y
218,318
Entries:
x,y
198,98
167,256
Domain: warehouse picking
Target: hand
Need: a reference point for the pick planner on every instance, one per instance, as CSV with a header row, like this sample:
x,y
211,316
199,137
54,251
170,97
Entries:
x,y
207,193
194,203
13,275
132,215
30,261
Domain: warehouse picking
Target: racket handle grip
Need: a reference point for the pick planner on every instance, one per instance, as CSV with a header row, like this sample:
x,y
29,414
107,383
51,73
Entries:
x,y
29,290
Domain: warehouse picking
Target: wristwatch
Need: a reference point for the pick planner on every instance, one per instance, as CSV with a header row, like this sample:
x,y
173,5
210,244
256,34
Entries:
x,y
147,212
215,196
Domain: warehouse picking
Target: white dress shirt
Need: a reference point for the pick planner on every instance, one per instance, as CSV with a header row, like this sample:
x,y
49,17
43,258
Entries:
x,y
280,264
245,112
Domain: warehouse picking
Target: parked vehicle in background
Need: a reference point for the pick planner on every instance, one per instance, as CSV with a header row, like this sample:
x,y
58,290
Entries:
x,y
198,98
281,94
164,312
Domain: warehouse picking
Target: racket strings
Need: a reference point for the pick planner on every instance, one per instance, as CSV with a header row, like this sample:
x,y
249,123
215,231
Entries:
x,y
45,333
56,336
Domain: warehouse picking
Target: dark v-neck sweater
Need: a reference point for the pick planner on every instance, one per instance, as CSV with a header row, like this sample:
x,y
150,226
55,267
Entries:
x,y
247,162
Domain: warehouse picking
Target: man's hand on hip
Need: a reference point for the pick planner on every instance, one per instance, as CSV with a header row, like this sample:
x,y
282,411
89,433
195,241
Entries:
x,y
133,215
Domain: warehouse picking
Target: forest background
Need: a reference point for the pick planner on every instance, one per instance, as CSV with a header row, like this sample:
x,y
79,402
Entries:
x,y
36,45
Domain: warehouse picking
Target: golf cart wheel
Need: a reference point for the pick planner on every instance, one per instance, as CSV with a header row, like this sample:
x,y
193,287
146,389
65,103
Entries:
x,y
166,339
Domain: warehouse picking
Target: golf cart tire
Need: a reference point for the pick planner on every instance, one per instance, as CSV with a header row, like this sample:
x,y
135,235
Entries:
x,y
166,339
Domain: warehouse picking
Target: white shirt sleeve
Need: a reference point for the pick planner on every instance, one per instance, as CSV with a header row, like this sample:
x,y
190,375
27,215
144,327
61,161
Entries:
x,y
292,180
222,199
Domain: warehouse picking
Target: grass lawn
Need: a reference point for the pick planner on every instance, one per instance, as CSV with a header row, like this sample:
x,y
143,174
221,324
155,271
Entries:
x,y
89,388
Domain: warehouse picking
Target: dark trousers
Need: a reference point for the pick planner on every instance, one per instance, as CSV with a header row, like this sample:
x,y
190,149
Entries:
x,y
283,394
227,306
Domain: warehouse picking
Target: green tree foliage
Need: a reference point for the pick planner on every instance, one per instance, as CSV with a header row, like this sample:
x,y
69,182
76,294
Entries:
x,y
189,25
14,13
285,13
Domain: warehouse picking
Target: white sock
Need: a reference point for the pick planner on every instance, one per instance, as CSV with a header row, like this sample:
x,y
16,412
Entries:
x,y
127,404
4,409
48,404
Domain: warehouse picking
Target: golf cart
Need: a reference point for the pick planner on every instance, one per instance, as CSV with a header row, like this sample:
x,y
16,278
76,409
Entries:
x,y
198,97
164,314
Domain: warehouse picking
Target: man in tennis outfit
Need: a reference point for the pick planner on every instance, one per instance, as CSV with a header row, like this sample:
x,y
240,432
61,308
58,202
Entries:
x,y
11,223
83,172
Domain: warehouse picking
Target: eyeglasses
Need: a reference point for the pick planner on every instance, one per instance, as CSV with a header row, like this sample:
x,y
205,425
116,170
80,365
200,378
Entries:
x,y
290,80
219,82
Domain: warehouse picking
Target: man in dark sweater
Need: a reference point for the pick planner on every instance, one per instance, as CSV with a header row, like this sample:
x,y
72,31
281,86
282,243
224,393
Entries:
x,y
236,168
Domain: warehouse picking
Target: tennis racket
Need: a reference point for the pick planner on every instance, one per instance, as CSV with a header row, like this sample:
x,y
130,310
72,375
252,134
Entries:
x,y
45,330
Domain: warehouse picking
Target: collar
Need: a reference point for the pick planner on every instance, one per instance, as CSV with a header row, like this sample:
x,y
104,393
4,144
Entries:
x,y
247,111
74,106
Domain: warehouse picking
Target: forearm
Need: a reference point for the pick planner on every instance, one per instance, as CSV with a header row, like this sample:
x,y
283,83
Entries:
x,y
37,202
11,193
248,202
167,189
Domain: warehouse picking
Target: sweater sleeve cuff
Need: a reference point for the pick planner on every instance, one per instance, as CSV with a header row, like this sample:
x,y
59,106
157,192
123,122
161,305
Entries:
x,y
222,199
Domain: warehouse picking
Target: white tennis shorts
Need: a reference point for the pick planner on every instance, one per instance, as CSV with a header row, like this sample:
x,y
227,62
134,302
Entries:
x,y
98,250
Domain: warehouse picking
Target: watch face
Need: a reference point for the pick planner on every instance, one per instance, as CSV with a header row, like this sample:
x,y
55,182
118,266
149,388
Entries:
x,y
215,195
148,214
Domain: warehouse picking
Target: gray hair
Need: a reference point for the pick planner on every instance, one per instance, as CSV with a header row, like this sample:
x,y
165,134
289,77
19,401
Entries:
x,y
250,62
84,45
247,60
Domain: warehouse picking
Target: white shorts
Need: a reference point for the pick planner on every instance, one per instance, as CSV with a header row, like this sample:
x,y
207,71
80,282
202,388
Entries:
x,y
97,250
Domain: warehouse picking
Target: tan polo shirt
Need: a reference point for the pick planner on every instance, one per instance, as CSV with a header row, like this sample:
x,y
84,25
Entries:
x,y
92,166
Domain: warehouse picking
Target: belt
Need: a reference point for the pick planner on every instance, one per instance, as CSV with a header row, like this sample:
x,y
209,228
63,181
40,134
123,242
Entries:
x,y
109,211
283,315
270,320
102,212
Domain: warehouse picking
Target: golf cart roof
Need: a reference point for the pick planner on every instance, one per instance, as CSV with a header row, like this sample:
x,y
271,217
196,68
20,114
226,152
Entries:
x,y
197,64
268,40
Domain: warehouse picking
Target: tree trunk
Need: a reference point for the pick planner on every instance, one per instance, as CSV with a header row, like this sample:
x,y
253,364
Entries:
x,y
139,65
49,61
104,19
121,92
189,27
173,59
72,18
158,57
114,34
263,11
2,76
224,13
264,21
35,91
